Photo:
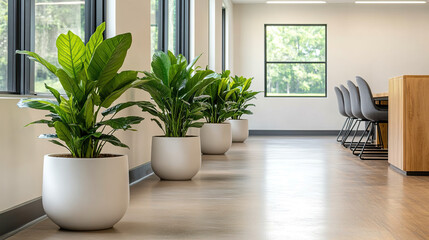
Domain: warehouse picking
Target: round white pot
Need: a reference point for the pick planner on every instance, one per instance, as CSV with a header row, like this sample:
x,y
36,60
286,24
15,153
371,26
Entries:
x,y
176,158
240,129
216,138
85,193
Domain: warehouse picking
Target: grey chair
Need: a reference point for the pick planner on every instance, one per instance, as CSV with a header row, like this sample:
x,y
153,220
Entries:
x,y
341,109
348,110
357,112
375,115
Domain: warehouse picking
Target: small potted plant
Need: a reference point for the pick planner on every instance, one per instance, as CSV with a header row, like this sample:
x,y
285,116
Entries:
x,y
216,133
86,189
240,97
176,88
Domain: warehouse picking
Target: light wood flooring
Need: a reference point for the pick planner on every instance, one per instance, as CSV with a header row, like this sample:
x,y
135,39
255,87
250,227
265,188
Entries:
x,y
272,188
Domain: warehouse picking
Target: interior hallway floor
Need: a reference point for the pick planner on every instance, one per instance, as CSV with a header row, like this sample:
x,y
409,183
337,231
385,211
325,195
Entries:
x,y
272,188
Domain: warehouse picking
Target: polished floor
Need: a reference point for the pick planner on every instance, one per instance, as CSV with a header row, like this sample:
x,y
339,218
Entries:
x,y
273,188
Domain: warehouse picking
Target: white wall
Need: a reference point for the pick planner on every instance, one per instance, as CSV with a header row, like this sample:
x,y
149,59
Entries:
x,y
375,42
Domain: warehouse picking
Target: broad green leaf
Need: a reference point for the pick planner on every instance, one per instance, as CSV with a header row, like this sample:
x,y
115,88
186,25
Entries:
x,y
94,41
121,106
71,53
123,123
119,81
69,84
35,57
116,94
58,143
108,58
63,132
161,66
40,104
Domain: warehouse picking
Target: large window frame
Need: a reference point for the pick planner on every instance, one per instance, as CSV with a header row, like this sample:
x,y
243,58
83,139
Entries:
x,y
21,37
182,24
266,62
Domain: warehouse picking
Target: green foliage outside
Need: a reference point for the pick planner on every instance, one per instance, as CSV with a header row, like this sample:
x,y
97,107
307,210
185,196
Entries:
x,y
296,44
88,75
3,44
177,88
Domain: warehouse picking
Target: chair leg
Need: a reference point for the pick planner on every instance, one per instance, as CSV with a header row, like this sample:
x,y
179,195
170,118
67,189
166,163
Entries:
x,y
342,130
360,140
380,154
344,142
354,135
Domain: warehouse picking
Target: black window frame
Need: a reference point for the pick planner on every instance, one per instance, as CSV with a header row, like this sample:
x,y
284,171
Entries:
x,y
223,39
297,62
182,27
20,37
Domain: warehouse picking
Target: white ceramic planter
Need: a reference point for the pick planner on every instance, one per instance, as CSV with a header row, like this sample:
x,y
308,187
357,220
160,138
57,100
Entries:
x,y
240,129
85,193
176,158
216,138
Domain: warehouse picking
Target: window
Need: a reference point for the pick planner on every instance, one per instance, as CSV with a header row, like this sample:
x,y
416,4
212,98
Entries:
x,y
170,26
3,44
295,60
51,19
35,25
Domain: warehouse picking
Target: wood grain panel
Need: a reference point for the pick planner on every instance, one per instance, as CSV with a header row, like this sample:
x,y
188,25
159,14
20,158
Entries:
x,y
416,123
396,122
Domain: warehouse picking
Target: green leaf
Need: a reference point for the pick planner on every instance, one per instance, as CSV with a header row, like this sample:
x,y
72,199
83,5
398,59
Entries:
x,y
71,53
119,81
40,104
58,143
35,57
196,124
157,123
54,92
108,58
63,132
42,121
112,140
94,41
70,85
121,106
161,66
117,93
123,123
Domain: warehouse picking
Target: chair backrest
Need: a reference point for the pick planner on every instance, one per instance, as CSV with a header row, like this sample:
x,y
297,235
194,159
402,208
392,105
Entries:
x,y
340,101
347,104
367,101
355,100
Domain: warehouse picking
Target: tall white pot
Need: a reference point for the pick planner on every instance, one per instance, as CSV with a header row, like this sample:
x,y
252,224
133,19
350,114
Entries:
x,y
85,193
176,158
240,129
216,138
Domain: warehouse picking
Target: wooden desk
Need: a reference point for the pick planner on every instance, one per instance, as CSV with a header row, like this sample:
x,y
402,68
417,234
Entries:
x,y
409,124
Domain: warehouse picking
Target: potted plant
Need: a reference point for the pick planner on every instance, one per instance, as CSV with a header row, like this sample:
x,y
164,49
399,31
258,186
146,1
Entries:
x,y
176,88
86,189
216,133
241,96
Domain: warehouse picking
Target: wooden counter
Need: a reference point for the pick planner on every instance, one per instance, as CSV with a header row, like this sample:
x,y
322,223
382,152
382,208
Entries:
x,y
409,124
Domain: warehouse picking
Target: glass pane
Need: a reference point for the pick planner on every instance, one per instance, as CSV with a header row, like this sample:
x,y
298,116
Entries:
x,y
172,19
53,17
3,44
296,80
296,43
154,25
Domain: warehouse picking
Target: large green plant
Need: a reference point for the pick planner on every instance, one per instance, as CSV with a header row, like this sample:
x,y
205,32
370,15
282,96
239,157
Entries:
x,y
88,75
241,96
176,88
218,107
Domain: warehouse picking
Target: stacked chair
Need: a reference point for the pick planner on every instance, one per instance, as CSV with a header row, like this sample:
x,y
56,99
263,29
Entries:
x,y
358,106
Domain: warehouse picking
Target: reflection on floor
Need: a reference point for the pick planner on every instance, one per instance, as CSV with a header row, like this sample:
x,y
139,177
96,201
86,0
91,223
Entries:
x,y
273,188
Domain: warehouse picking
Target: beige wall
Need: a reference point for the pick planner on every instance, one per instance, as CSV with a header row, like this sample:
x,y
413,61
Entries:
x,y
375,42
